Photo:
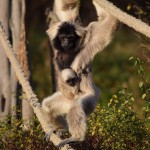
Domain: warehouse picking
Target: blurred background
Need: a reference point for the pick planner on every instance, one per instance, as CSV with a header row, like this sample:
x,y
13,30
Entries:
x,y
111,68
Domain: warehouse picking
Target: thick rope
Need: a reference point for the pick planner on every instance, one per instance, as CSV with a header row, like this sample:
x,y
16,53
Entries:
x,y
123,17
27,88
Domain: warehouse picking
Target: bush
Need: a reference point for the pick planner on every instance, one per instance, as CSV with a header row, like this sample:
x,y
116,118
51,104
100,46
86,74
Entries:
x,y
112,127
15,138
118,127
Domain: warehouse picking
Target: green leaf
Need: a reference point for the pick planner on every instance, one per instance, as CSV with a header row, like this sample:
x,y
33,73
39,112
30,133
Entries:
x,y
135,64
131,58
144,95
140,84
128,7
132,99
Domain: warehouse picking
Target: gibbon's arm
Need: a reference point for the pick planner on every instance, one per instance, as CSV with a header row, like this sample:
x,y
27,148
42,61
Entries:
x,y
98,36
66,10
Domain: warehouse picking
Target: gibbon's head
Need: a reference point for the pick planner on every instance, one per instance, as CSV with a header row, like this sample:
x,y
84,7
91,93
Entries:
x,y
69,77
66,36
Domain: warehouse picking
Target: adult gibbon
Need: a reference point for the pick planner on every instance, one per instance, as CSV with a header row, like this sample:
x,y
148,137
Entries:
x,y
76,47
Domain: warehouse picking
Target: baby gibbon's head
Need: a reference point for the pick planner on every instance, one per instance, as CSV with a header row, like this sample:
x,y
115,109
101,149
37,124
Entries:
x,y
69,76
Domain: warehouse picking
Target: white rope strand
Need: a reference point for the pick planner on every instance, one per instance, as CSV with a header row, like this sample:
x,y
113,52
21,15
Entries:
x,y
123,17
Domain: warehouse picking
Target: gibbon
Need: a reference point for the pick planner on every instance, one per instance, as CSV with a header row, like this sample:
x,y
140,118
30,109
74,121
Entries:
x,y
75,48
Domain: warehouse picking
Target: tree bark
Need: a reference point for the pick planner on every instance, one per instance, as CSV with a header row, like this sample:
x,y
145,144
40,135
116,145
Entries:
x,y
8,79
15,29
27,111
19,45
5,89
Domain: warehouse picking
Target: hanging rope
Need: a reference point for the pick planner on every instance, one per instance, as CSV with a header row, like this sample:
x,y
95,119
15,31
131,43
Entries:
x,y
129,20
27,88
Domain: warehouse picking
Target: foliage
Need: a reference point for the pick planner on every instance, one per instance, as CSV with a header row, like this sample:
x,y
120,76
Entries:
x,y
140,9
118,126
112,127
144,84
14,137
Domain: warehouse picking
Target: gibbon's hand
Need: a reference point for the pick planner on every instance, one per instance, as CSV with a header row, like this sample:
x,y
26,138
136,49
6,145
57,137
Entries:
x,y
79,65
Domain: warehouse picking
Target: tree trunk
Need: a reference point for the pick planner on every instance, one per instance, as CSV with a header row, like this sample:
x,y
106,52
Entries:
x,y
5,89
27,110
19,45
8,80
15,29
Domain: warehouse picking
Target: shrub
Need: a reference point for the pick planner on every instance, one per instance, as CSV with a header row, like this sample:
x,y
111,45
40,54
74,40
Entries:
x,y
118,126
15,138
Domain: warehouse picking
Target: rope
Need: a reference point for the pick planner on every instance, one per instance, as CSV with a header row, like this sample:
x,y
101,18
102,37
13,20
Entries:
x,y
27,88
129,20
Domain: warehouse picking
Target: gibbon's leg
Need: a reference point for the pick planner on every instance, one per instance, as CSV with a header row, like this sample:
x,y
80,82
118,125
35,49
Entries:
x,y
54,107
76,120
76,117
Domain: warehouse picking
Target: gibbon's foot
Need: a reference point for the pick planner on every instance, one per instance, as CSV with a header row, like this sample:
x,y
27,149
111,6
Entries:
x,y
60,132
66,141
48,134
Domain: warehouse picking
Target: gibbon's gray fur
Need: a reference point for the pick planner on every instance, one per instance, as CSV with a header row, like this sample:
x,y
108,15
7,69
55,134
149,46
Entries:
x,y
94,39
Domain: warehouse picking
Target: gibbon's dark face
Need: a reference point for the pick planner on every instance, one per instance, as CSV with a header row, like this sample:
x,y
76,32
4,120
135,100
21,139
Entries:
x,y
66,39
72,81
